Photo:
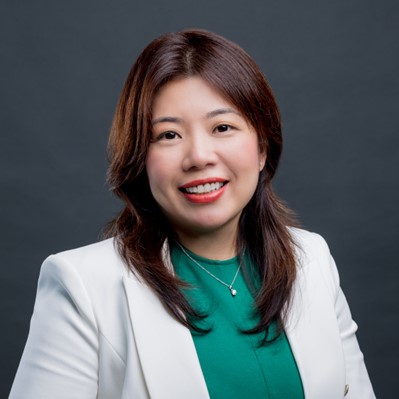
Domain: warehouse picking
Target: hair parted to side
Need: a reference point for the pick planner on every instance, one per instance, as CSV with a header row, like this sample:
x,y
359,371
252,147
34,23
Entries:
x,y
141,229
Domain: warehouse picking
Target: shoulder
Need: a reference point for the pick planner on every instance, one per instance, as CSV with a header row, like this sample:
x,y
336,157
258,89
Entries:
x,y
91,265
309,245
92,278
103,250
314,258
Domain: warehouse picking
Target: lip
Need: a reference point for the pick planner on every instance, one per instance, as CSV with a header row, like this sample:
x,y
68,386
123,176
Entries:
x,y
203,181
204,198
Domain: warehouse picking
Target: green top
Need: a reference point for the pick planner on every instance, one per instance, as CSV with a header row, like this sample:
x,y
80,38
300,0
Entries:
x,y
234,364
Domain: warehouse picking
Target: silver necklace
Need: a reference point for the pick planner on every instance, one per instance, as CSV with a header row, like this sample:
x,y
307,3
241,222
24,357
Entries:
x,y
229,286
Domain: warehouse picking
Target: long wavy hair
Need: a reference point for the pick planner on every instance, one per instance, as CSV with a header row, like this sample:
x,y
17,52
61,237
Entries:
x,y
141,230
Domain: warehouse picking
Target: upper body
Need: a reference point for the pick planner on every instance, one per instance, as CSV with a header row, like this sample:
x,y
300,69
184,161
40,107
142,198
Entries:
x,y
194,146
98,332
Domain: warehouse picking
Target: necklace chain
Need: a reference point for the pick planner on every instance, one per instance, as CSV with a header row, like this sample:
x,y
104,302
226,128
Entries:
x,y
229,286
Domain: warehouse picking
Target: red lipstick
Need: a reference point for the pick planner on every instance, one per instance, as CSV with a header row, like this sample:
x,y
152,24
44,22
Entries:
x,y
204,198
203,181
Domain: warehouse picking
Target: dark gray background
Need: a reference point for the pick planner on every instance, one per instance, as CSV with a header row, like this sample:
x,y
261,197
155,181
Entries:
x,y
333,66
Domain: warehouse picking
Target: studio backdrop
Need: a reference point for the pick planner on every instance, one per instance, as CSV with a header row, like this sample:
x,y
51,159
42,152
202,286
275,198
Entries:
x,y
333,66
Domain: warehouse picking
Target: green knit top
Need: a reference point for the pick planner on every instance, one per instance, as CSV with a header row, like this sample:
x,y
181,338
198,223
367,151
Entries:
x,y
234,364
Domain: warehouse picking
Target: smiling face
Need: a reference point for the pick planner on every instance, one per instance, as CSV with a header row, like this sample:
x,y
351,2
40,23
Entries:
x,y
203,162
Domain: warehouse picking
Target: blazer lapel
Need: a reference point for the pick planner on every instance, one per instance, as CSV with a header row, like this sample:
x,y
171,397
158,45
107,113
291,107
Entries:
x,y
313,336
167,353
294,329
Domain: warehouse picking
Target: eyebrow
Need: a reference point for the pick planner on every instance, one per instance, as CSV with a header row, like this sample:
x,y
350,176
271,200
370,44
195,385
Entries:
x,y
171,119
209,115
222,111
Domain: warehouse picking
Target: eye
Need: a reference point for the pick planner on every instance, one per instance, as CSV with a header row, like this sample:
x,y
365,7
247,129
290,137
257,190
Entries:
x,y
223,128
169,135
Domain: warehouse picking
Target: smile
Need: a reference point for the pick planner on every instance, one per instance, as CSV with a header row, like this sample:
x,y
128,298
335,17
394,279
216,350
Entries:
x,y
203,188
204,191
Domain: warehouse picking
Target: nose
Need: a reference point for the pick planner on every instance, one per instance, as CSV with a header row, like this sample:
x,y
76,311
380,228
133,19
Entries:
x,y
200,152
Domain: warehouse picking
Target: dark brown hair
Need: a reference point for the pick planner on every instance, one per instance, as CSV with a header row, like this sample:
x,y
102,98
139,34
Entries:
x,y
140,229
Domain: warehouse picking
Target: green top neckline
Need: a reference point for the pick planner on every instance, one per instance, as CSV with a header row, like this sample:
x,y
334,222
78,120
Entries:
x,y
235,365
209,261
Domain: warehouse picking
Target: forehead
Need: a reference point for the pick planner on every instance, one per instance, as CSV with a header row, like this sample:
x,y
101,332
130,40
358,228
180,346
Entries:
x,y
185,93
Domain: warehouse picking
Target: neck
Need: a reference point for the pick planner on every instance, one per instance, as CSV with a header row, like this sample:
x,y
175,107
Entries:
x,y
218,245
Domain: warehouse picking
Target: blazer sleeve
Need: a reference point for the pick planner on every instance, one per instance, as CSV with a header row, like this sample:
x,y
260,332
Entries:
x,y
60,359
358,383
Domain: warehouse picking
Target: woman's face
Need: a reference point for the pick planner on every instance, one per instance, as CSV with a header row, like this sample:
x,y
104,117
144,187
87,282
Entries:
x,y
203,162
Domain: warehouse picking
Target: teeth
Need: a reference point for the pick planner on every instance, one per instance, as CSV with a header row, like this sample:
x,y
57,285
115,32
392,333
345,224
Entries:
x,y
204,188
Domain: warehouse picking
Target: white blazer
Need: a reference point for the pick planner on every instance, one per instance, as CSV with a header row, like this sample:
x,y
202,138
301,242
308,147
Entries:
x,y
98,332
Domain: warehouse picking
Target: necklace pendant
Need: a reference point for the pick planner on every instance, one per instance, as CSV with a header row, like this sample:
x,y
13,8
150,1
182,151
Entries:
x,y
233,292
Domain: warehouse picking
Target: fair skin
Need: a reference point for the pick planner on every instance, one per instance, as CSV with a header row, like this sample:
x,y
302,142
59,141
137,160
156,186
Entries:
x,y
203,165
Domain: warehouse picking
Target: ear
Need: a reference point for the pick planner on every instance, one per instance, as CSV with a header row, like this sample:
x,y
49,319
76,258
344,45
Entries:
x,y
262,160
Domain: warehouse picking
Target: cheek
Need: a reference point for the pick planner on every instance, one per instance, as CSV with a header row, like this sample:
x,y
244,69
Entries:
x,y
159,169
248,152
153,167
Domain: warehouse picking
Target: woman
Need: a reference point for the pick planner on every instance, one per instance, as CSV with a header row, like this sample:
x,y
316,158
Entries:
x,y
205,288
